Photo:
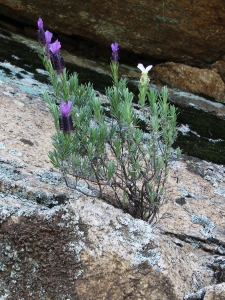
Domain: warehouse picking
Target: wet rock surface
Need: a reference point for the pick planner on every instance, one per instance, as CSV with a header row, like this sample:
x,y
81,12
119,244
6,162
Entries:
x,y
58,244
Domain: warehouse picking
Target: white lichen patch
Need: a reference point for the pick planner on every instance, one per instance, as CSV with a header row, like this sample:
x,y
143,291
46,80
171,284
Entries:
x,y
151,256
111,230
220,190
4,297
15,153
208,226
2,146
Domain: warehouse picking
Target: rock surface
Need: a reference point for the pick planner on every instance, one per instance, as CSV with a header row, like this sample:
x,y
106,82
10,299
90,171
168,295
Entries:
x,y
215,293
204,82
187,31
58,244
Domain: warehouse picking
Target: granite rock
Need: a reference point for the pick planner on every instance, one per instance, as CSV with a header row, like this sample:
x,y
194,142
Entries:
x,y
204,82
58,244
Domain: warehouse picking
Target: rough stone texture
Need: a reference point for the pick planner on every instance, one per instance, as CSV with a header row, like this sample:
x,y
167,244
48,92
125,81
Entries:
x,y
215,293
220,67
187,31
203,82
209,293
56,244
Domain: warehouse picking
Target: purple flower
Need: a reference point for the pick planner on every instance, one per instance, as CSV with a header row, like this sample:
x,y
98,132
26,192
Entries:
x,y
41,32
115,52
65,108
55,47
115,47
65,121
48,37
40,24
57,60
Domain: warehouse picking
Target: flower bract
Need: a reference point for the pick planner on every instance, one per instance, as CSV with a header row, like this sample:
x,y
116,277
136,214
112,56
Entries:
x,y
143,69
54,47
115,47
65,108
48,37
40,24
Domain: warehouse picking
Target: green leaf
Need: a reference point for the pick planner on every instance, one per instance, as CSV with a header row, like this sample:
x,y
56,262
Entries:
x,y
110,170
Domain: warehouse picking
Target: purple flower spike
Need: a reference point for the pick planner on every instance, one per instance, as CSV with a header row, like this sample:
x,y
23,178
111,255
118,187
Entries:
x,y
66,124
40,24
115,52
48,37
65,121
55,47
65,108
40,32
57,60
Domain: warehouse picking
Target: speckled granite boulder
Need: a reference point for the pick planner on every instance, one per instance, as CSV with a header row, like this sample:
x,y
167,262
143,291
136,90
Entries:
x,y
57,244
204,82
90,250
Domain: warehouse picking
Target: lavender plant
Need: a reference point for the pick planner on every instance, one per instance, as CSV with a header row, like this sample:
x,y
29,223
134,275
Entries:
x,y
117,160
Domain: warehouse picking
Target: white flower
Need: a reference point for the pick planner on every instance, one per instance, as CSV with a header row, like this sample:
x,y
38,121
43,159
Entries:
x,y
143,69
